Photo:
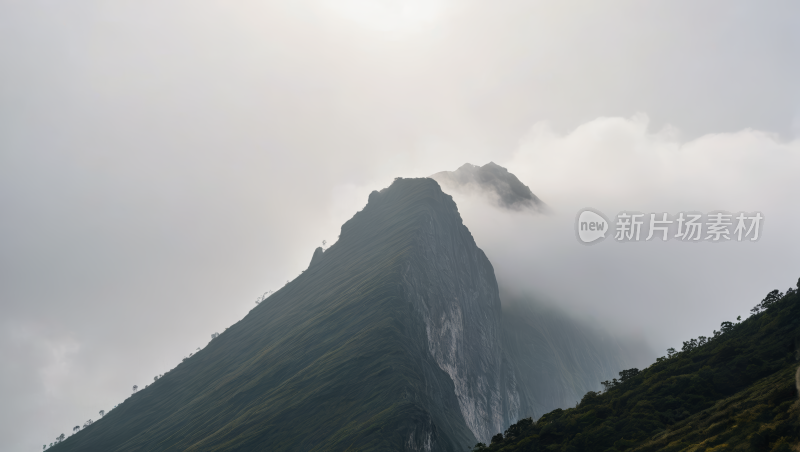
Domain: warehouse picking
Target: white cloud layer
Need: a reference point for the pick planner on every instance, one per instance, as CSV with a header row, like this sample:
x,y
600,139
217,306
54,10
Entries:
x,y
665,292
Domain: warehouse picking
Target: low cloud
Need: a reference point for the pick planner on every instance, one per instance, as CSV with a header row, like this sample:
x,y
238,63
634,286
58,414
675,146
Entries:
x,y
493,181
661,292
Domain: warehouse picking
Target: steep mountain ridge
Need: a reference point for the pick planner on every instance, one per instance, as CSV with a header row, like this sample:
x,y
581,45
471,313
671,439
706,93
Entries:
x,y
393,339
453,287
349,355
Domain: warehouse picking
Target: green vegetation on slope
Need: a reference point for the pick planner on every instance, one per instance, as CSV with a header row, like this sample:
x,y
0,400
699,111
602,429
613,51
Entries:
x,y
335,360
733,391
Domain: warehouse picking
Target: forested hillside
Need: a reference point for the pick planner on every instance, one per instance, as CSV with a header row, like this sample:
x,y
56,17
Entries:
x,y
734,390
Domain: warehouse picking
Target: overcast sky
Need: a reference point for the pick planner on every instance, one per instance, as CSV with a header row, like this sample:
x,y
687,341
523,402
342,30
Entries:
x,y
163,163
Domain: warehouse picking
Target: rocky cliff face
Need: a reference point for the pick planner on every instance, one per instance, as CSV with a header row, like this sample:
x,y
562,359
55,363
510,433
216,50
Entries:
x,y
452,285
521,359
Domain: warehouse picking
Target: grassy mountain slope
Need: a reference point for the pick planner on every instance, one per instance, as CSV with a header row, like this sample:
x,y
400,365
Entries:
x,y
762,417
734,391
335,360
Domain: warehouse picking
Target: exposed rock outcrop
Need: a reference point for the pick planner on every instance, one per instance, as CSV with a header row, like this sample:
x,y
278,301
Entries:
x,y
451,283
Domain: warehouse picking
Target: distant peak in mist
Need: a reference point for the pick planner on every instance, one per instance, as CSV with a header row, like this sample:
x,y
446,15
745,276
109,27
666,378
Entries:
x,y
492,179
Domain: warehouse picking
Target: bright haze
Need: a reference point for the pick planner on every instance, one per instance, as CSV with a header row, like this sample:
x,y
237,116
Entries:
x,y
162,164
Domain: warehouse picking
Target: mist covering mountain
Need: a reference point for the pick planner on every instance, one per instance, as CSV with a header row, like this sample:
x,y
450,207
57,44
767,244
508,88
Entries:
x,y
501,186
394,338
558,359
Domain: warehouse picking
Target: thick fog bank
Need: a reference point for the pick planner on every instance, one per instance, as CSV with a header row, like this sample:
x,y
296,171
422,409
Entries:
x,y
661,292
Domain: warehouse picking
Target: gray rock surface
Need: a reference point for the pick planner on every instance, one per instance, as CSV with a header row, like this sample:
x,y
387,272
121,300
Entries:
x,y
451,283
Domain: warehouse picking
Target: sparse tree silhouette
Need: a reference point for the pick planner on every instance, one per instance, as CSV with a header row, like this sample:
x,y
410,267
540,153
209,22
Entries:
x,y
135,388
726,327
87,423
214,335
102,413
771,298
76,428
61,438
768,301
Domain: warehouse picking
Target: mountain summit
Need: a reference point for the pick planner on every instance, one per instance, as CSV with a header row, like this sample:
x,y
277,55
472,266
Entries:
x,y
389,341
503,187
392,339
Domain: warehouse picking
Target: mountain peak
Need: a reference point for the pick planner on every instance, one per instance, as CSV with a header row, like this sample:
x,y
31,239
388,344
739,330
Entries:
x,y
392,340
505,189
389,341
